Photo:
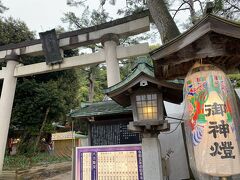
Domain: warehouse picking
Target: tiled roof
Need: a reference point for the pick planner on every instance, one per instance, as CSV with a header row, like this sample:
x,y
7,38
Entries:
x,y
141,68
99,109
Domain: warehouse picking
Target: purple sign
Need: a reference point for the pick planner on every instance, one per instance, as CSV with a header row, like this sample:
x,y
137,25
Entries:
x,y
109,162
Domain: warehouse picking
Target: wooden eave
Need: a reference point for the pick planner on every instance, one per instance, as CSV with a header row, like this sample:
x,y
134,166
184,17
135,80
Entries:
x,y
209,23
213,39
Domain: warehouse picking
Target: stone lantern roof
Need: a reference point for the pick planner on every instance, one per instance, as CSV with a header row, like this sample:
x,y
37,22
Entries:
x,y
143,72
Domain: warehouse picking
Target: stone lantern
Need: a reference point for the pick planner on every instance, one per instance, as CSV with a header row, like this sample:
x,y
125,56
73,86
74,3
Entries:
x,y
146,94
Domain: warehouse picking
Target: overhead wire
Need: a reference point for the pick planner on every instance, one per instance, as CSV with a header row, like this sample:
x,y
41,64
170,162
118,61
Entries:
x,y
179,119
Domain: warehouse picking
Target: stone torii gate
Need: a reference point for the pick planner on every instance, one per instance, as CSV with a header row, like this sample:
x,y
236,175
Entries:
x,y
107,33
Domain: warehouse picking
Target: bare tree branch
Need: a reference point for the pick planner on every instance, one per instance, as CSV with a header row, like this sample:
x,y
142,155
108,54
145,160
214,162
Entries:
x,y
178,9
185,1
232,5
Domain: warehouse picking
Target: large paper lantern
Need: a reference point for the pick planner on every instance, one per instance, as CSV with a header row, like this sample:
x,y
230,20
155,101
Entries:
x,y
212,121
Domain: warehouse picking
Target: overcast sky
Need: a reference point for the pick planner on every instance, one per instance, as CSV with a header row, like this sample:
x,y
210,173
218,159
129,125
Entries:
x,y
42,15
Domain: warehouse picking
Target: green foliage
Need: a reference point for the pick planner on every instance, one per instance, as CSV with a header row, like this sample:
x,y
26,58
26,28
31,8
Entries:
x,y
21,162
2,7
34,95
76,3
218,5
128,65
57,91
13,31
16,162
87,18
155,46
235,79
45,158
92,79
95,76
132,8
73,20
99,17
229,9
100,85
99,79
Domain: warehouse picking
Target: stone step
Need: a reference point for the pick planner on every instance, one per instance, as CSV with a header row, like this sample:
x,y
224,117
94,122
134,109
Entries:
x,y
8,175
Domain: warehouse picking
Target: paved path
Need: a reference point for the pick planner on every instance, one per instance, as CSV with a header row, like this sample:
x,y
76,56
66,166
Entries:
x,y
65,176
58,171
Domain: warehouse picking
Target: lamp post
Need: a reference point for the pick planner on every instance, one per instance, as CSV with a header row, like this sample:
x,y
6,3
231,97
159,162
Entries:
x,y
145,94
148,109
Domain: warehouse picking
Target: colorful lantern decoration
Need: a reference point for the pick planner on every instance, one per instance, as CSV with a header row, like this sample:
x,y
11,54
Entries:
x,y
212,122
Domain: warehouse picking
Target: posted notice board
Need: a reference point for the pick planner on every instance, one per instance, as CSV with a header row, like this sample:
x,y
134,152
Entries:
x,y
117,162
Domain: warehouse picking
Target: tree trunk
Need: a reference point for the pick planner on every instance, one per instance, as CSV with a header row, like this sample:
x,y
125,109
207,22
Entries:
x,y
163,20
23,146
165,24
41,130
91,79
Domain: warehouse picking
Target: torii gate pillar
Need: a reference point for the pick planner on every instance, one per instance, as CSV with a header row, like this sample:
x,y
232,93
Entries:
x,y
110,42
6,101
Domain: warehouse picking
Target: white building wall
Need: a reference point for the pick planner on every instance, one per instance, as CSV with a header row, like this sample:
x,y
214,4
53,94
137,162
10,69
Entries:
x,y
173,141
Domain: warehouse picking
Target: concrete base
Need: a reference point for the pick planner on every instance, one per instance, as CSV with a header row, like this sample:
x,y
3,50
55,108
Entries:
x,y
152,161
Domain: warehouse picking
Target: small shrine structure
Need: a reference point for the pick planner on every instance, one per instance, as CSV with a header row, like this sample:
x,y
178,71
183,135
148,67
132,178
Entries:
x,y
107,123
64,142
212,40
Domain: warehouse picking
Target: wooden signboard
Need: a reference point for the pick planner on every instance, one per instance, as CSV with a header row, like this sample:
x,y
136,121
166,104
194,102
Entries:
x,y
51,47
109,163
112,134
